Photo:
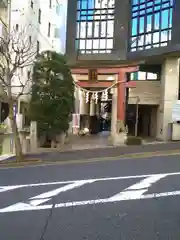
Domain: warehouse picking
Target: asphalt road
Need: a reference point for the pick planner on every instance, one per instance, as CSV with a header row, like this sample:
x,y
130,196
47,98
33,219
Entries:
x,y
119,200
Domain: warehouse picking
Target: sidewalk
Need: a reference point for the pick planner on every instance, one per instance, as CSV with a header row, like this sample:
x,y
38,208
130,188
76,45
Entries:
x,y
89,147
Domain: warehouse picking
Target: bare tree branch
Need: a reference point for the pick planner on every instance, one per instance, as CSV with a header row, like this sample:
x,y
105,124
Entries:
x,y
17,54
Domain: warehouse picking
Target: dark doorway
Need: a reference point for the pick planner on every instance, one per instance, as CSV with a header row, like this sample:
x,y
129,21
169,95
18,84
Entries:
x,y
144,119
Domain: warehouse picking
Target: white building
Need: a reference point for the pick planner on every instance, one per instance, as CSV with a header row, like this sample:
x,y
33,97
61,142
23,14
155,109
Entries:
x,y
44,18
43,23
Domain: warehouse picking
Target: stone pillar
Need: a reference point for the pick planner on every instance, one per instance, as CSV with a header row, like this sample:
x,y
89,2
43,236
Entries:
x,y
75,130
33,136
114,112
98,109
92,111
121,96
83,108
169,94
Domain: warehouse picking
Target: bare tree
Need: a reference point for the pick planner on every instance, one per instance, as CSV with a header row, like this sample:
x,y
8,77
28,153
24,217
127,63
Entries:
x,y
17,54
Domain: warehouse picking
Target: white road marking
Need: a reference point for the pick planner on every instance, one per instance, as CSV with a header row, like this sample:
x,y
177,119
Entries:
x,y
134,192
44,197
137,189
8,188
92,179
26,207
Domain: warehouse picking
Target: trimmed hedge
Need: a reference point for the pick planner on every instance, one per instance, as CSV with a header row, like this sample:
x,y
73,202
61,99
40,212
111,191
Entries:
x,y
132,140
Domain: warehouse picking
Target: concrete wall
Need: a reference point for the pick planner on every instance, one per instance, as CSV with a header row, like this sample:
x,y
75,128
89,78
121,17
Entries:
x,y
169,94
147,91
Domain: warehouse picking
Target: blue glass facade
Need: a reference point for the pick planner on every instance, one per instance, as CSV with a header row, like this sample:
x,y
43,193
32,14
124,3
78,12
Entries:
x,y
95,26
151,24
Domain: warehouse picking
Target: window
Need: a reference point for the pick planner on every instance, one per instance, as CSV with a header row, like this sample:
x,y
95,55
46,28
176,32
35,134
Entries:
x,y
49,29
17,27
28,74
95,26
32,4
38,47
30,39
39,16
57,33
142,76
50,3
58,8
151,24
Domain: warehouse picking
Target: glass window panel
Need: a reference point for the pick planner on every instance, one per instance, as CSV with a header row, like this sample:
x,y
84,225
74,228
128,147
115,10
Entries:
x,y
79,4
135,8
164,19
134,26
157,8
141,41
147,47
78,15
102,43
134,2
169,37
95,43
89,29
156,37
157,20
142,12
77,44
149,23
84,13
110,11
164,44
103,29
110,3
158,1
142,6
78,31
156,45
81,44
83,17
96,29
141,25
141,75
166,5
151,76
90,4
148,39
149,10
149,4
82,29
135,14
170,17
97,4
171,2
134,42
88,44
110,29
109,43
84,4
164,36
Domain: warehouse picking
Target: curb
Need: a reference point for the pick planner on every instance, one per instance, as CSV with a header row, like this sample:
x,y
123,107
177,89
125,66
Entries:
x,y
92,160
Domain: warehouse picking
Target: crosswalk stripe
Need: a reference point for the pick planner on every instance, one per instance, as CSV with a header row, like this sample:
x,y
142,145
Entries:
x,y
138,189
44,197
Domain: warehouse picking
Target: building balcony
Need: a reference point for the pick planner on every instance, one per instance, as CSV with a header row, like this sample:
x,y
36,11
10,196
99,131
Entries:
x,y
3,3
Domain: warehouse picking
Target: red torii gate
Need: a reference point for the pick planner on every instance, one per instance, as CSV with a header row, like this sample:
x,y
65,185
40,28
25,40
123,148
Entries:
x,y
121,83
